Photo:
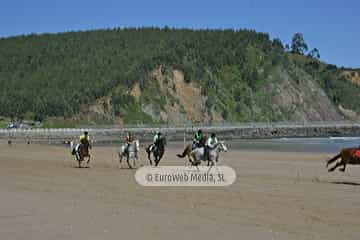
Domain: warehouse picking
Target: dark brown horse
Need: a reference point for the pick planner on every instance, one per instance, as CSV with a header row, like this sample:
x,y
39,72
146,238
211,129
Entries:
x,y
82,152
347,156
189,148
157,149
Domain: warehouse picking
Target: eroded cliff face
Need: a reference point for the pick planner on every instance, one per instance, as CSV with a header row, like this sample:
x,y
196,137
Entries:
x,y
295,99
184,101
302,100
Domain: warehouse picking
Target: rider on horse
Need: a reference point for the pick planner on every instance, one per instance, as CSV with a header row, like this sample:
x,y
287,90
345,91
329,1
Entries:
x,y
198,137
156,141
84,140
210,144
157,148
129,139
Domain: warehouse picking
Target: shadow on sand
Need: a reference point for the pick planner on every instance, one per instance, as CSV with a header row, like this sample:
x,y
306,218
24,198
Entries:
x,y
346,183
82,167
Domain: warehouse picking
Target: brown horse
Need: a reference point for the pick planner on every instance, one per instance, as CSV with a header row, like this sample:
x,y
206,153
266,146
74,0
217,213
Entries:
x,y
189,148
82,153
347,156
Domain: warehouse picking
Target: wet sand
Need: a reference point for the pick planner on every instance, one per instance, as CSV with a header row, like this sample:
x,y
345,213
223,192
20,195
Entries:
x,y
277,195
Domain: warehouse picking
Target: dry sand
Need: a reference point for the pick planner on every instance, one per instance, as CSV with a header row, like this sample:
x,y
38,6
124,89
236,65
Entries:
x,y
276,196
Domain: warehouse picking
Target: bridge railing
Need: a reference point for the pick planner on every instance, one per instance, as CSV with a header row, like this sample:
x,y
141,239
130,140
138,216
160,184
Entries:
x,y
225,125
181,132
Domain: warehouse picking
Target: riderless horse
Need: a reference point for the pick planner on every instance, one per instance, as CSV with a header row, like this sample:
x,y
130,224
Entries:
x,y
347,156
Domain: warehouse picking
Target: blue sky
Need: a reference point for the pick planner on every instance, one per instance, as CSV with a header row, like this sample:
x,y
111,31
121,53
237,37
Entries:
x,y
332,26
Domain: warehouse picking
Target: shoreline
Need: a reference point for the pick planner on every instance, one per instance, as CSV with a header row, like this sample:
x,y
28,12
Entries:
x,y
261,131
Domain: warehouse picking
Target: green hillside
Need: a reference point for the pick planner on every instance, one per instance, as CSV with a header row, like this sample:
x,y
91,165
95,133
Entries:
x,y
50,76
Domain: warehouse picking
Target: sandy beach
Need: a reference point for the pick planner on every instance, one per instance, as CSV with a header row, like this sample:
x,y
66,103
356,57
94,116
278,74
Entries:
x,y
277,195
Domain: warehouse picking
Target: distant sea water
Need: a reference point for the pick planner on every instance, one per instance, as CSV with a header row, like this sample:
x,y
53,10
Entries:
x,y
311,145
326,145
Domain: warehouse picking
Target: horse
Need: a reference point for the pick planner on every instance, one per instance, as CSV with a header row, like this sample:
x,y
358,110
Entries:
x,y
81,151
157,149
189,148
130,152
347,156
198,154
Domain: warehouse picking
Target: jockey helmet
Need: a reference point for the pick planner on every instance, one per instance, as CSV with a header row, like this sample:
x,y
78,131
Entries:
x,y
86,133
213,135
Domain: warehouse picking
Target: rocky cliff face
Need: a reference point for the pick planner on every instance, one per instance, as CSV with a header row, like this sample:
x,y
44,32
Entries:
x,y
301,100
184,101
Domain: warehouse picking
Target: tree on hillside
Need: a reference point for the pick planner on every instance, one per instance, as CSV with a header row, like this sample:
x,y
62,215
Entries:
x,y
314,53
298,44
287,47
277,44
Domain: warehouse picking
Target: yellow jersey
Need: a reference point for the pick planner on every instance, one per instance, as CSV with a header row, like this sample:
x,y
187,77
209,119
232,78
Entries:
x,y
84,139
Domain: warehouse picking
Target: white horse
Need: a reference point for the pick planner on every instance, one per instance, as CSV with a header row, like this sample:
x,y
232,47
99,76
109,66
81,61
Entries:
x,y
198,154
130,152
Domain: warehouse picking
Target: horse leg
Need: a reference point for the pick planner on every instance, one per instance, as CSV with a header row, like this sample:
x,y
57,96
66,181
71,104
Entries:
x,y
88,161
120,159
158,158
127,160
343,168
134,162
135,159
148,153
338,164
332,159
156,161
212,164
149,157
161,156
191,160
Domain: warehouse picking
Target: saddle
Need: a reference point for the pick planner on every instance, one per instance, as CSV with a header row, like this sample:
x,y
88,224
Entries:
x,y
193,146
357,153
152,148
84,149
196,145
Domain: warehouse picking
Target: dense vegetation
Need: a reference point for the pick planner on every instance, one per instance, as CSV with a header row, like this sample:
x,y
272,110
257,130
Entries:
x,y
54,75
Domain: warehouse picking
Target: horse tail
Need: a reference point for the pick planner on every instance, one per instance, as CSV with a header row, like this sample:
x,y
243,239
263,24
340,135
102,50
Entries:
x,y
333,159
185,152
72,148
